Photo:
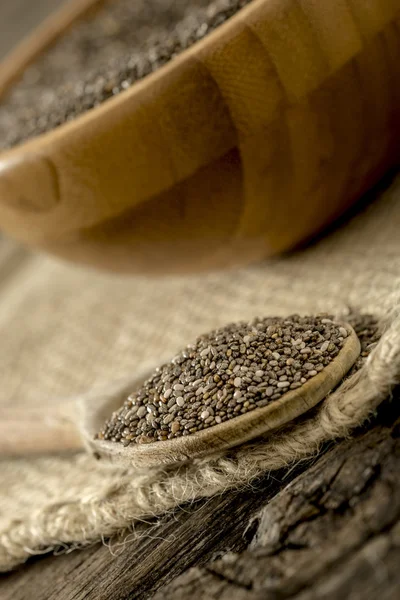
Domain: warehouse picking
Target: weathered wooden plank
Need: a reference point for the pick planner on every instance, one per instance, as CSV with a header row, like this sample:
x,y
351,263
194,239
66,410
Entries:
x,y
190,536
333,533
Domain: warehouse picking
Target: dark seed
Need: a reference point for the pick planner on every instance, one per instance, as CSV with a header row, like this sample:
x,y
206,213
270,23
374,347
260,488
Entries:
x,y
201,394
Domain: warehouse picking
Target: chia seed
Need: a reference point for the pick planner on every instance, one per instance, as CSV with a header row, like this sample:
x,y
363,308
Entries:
x,y
219,394
367,329
102,55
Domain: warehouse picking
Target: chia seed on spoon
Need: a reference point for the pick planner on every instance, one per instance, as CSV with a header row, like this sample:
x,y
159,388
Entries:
x,y
224,374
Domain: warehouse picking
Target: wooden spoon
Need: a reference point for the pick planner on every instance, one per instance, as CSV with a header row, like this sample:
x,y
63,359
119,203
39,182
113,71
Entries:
x,y
243,146
76,423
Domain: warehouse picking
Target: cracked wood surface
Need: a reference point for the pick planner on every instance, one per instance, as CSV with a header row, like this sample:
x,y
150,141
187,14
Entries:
x,y
329,529
334,532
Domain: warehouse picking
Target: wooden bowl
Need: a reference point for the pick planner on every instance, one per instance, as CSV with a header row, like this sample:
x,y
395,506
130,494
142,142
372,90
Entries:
x,y
243,146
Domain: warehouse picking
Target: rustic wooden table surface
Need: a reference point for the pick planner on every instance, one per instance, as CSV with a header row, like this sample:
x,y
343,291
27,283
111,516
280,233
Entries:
x,y
328,529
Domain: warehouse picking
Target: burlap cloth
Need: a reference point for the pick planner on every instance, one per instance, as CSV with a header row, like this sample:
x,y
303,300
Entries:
x,y
64,329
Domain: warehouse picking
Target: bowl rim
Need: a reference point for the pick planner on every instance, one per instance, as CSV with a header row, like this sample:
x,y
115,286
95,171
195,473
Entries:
x,y
42,37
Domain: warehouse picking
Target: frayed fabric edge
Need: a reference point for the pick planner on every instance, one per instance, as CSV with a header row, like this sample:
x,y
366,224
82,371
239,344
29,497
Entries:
x,y
133,495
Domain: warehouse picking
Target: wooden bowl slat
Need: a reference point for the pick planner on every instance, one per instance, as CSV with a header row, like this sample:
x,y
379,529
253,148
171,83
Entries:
x,y
299,99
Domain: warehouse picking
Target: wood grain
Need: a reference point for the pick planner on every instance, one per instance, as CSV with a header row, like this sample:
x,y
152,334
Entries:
x,y
327,530
338,533
333,533
245,145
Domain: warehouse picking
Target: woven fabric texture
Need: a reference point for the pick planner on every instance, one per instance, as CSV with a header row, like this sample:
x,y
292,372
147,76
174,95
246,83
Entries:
x,y
65,329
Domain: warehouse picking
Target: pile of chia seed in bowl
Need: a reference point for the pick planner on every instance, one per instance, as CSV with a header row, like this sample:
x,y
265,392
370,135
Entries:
x,y
225,374
102,55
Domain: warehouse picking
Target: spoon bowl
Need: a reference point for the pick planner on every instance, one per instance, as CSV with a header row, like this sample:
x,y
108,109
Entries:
x,y
74,424
233,432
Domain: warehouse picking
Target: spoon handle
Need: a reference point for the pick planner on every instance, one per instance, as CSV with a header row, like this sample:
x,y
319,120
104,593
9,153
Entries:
x,y
55,427
43,430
